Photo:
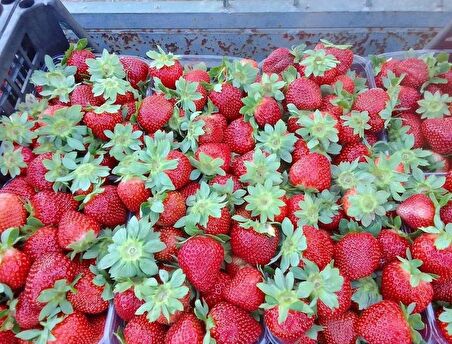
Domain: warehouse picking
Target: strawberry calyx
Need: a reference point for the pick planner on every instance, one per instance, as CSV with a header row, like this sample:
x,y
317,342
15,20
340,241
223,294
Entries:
x,y
57,82
358,121
82,44
202,313
185,93
347,175
233,198
317,62
82,244
412,158
437,64
99,247
411,266
343,98
101,279
153,207
270,85
123,141
297,51
264,200
162,298
315,208
241,75
319,285
105,66
328,44
366,292
17,128
55,170
7,316
261,168
193,127
7,239
434,105
377,63
44,334
205,203
292,247
161,59
110,88
431,185
11,159
443,233
392,86
446,318
277,140
414,321
131,253
32,106
207,166
283,293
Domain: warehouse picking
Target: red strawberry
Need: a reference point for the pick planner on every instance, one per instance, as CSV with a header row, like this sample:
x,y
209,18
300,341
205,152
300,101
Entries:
x,y
414,123
417,211
311,171
180,176
238,164
27,312
49,206
27,156
154,112
372,100
36,173
139,330
415,70
216,294
320,248
75,328
443,326
235,265
384,323
88,297
267,112
83,95
136,69
200,259
305,94
98,325
253,247
278,60
222,180
170,236
188,329
100,122
346,134
218,225
397,284
107,208
347,82
9,337
283,210
169,73
228,101
76,231
435,261
344,297
388,65
293,205
122,99
442,289
173,209
295,325
392,245
408,98
438,134
197,75
446,213
357,255
351,152
18,186
328,106
14,264
233,325
126,304
239,136
448,183
133,193
77,57
340,329
41,242
189,189
342,53
214,128
242,290
216,151
12,211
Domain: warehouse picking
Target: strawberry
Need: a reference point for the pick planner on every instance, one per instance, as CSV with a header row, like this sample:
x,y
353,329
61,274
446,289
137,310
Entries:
x,y
41,242
238,164
222,180
436,261
233,325
197,75
165,66
76,56
239,136
267,112
448,183
76,231
342,53
27,312
100,122
311,171
278,60
170,236
388,65
351,152
200,259
36,173
27,156
305,94
214,128
415,70
357,255
218,225
443,323
216,293
180,176
18,186
106,207
83,95
188,329
139,330
14,264
372,100
216,151
189,189
347,82
154,112
340,329
8,337
122,99
88,296
136,70
98,325
384,322
173,209
320,247
437,134
242,290
126,304
414,123
417,211
293,205
293,327
253,247
75,328
228,101
408,98
392,245
446,213
330,108
133,193
402,281
49,206
12,211
442,289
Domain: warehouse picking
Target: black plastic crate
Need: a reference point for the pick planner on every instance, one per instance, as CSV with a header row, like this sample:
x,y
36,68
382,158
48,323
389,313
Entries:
x,y
30,30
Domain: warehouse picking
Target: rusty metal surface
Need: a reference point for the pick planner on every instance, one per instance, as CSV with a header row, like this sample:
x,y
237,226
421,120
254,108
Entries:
x,y
258,43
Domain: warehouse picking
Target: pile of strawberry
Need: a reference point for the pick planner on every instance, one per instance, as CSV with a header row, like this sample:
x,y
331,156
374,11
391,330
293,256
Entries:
x,y
221,205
